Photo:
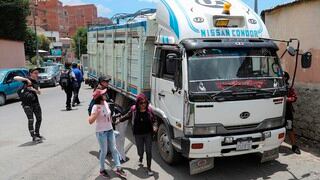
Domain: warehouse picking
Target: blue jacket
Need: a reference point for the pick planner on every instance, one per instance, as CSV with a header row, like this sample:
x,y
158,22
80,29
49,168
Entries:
x,y
78,75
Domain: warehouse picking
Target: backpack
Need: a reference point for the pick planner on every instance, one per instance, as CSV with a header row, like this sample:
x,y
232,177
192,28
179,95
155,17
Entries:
x,y
92,102
26,95
65,79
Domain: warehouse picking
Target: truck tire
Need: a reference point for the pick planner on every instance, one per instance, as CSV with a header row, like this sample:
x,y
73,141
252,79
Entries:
x,y
165,147
2,99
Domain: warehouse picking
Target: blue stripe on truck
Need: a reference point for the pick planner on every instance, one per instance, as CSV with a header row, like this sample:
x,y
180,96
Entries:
x,y
173,19
132,25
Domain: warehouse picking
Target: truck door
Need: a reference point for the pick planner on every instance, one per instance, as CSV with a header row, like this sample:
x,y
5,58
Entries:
x,y
166,97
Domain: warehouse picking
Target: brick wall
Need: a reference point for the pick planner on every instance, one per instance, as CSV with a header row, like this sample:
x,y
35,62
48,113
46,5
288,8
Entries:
x,y
307,114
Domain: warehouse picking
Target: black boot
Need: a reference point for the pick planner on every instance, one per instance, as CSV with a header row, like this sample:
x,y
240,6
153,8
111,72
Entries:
x,y
296,149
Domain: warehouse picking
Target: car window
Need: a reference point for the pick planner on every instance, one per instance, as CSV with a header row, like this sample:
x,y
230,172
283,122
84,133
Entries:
x,y
10,76
2,75
20,73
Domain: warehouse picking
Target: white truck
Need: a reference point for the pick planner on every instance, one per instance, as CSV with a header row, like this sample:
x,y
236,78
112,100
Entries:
x,y
210,70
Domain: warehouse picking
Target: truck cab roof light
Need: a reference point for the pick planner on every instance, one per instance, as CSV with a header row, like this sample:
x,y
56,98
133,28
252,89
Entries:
x,y
226,8
222,22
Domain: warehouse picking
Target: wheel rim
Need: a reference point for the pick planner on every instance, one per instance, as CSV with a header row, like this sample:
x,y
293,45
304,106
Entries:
x,y
165,143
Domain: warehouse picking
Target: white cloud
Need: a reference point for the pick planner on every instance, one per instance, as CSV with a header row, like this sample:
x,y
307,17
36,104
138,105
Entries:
x,y
102,10
72,2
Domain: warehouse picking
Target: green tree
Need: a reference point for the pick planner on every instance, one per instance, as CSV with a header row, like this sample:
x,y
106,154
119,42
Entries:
x,y
13,19
30,43
44,42
81,36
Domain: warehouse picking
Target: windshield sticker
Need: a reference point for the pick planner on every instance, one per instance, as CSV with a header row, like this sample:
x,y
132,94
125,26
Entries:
x,y
248,83
229,33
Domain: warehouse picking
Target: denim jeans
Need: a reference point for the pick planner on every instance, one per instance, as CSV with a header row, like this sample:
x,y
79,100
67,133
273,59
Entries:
x,y
105,139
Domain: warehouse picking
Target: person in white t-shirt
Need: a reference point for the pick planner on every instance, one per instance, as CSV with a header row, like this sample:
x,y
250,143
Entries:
x,y
101,115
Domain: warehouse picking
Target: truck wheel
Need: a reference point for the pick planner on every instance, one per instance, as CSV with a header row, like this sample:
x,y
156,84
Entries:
x,y
2,99
165,147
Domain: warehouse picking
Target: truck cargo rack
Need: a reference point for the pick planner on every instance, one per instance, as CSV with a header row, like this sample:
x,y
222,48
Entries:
x,y
130,17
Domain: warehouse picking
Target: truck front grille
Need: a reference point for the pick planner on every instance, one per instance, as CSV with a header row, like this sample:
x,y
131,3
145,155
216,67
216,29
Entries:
x,y
250,126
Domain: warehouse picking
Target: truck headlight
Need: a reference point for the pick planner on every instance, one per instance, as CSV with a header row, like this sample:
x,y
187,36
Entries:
x,y
272,123
205,130
200,130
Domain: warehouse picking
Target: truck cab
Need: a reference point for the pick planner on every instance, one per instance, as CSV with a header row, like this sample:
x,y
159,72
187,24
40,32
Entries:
x,y
216,81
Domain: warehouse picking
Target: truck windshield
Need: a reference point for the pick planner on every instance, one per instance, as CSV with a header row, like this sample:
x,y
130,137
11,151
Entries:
x,y
214,70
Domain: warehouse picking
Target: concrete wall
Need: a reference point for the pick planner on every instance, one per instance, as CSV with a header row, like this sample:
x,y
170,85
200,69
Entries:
x,y
301,20
11,54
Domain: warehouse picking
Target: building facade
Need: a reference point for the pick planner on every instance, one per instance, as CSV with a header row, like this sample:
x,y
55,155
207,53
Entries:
x,y
51,15
300,19
80,16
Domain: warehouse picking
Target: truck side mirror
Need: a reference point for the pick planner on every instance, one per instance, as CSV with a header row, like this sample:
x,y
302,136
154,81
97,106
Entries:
x,y
306,60
291,51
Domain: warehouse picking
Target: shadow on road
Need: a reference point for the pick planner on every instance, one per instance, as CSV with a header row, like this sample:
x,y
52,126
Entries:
x,y
141,173
238,167
73,109
12,101
95,154
31,143
285,151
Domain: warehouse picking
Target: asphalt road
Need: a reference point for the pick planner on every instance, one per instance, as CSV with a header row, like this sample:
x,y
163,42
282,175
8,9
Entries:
x,y
70,150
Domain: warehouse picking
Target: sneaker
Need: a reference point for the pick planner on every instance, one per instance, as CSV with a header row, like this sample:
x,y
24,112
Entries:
x,y
104,173
41,137
69,108
150,172
296,149
120,172
74,105
124,160
36,139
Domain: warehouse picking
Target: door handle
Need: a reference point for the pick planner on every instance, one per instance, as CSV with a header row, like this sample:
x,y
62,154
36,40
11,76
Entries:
x,y
161,95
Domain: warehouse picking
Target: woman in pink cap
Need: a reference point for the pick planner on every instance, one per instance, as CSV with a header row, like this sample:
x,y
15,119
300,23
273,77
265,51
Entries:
x,y
101,114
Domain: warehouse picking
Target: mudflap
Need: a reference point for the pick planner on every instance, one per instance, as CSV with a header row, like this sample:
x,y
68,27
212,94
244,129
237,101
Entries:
x,y
269,155
200,165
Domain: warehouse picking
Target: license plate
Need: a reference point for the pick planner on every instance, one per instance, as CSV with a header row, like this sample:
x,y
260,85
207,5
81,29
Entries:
x,y
201,165
243,145
41,81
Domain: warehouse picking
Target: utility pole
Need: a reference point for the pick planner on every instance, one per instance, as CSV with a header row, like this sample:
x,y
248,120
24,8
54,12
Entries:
x,y
35,30
256,6
79,49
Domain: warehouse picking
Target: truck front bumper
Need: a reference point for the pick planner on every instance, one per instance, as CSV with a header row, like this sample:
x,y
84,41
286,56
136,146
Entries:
x,y
217,147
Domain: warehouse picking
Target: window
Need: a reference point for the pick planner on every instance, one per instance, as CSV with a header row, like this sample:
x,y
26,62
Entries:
x,y
20,73
156,64
10,76
168,64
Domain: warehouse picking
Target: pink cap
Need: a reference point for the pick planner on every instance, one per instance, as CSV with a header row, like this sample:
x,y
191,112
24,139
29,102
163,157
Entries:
x,y
98,93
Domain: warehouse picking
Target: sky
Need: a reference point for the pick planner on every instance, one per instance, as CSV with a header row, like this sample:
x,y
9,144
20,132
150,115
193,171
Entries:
x,y
107,8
